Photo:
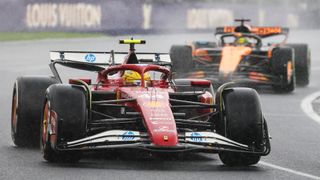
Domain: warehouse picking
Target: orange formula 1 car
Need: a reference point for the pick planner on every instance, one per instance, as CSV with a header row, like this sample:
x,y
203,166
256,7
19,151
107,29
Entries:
x,y
246,55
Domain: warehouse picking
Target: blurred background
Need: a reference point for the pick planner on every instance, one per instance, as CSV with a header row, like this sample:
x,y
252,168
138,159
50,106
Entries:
x,y
152,16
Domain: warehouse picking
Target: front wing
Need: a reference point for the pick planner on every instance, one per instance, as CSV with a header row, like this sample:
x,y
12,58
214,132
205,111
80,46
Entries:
x,y
188,141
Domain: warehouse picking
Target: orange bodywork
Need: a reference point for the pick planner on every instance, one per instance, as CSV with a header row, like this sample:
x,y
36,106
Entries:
x,y
258,76
231,57
197,74
261,31
203,54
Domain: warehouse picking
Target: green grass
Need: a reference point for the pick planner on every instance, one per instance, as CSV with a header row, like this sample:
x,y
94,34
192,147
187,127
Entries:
x,y
19,36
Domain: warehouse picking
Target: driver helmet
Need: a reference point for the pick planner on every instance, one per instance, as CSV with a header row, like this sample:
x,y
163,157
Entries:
x,y
134,78
242,41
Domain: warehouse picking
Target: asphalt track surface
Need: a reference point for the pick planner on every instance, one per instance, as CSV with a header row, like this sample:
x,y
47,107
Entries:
x,y
295,137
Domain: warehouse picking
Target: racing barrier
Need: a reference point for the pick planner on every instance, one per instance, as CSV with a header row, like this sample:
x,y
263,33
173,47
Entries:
x,y
136,16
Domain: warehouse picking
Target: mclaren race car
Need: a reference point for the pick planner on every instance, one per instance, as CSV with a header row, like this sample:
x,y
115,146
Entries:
x,y
135,104
246,55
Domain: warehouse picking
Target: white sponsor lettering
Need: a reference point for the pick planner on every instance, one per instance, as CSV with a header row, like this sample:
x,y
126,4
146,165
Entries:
x,y
293,20
150,96
77,15
161,122
199,18
147,9
164,119
261,15
42,15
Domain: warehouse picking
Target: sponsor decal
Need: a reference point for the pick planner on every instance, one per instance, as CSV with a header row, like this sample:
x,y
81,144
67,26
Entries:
x,y
148,96
165,129
266,30
160,118
154,104
147,12
164,122
204,18
196,137
68,15
90,58
127,136
159,114
228,29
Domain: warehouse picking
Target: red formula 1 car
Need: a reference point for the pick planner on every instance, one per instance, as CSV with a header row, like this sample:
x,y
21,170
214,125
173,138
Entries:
x,y
247,55
135,104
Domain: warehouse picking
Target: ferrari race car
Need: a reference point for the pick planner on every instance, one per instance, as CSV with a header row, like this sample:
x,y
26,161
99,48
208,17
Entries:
x,y
245,55
138,105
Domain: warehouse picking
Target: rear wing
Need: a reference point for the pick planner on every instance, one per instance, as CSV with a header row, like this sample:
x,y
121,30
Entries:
x,y
107,58
260,31
85,57
98,61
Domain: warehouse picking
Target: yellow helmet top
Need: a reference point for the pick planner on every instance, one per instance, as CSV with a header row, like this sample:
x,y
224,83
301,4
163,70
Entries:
x,y
133,77
242,40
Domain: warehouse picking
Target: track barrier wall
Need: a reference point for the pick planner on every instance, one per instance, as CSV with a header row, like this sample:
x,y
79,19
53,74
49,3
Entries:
x,y
142,16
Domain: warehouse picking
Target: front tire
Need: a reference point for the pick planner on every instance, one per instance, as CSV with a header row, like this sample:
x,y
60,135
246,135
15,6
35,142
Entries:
x,y
65,112
241,121
283,66
302,63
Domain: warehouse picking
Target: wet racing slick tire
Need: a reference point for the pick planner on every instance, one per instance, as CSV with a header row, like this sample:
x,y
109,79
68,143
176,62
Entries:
x,y
282,65
242,122
27,101
65,112
302,63
181,58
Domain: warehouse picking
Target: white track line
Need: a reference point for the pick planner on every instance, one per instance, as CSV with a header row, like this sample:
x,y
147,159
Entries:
x,y
283,115
306,106
289,170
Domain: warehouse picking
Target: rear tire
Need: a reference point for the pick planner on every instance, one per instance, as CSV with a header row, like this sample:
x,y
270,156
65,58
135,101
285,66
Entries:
x,y
283,66
302,63
243,123
69,105
181,58
27,101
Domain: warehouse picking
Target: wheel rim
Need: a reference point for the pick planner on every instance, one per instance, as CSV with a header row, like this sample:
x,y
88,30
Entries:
x,y
44,125
289,71
14,115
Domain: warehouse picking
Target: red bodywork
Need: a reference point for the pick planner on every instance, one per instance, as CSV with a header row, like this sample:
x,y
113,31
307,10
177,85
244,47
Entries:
x,y
152,101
